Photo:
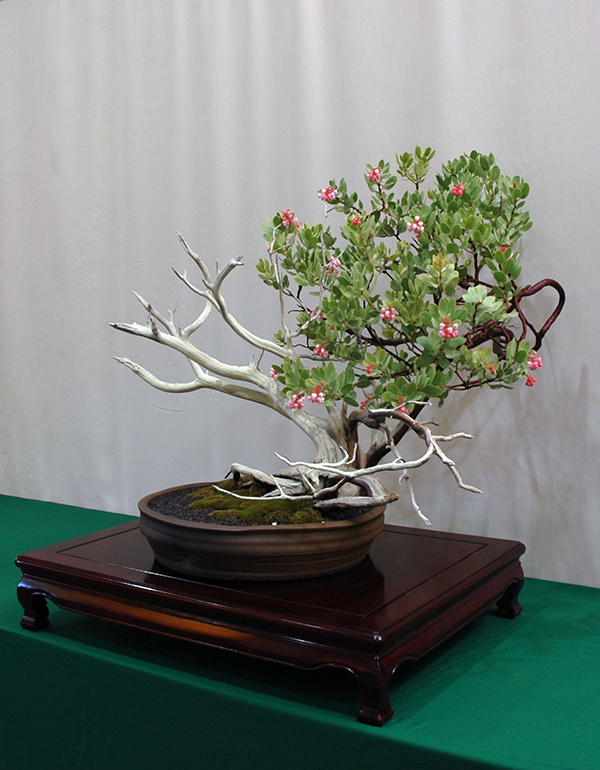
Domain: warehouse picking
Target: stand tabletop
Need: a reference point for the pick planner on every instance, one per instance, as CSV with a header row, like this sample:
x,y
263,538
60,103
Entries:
x,y
414,590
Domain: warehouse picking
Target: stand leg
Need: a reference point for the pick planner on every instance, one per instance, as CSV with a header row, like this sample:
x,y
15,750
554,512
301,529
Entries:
x,y
375,707
508,606
35,616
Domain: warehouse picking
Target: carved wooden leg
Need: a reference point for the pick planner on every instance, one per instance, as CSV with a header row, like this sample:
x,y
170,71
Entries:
x,y
35,617
508,606
374,707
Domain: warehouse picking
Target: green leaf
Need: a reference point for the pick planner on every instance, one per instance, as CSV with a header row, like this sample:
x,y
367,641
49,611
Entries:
x,y
475,294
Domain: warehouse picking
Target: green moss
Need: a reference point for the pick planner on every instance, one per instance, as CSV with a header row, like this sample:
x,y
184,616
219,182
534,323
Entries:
x,y
266,511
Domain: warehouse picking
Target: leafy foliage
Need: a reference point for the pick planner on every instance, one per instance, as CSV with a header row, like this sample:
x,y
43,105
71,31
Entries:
x,y
374,296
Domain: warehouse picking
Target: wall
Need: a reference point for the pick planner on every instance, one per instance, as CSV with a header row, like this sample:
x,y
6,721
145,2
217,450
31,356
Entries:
x,y
124,122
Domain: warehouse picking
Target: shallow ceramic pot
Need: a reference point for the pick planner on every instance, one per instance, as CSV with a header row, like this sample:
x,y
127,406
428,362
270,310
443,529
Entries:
x,y
261,552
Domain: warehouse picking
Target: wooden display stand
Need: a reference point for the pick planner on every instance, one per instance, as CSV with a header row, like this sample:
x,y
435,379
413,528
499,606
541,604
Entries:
x,y
416,589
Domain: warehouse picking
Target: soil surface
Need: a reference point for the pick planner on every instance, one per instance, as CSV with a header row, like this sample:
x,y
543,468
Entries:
x,y
176,504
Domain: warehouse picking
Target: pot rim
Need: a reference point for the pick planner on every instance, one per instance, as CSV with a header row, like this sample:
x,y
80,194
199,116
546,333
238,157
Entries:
x,y
145,510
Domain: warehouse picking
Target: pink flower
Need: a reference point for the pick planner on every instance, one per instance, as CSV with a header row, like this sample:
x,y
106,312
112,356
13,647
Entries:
x,y
317,394
296,401
320,351
416,226
400,407
316,314
365,403
357,220
388,313
503,248
530,381
328,194
289,219
370,368
448,330
534,361
374,175
458,190
273,374
334,266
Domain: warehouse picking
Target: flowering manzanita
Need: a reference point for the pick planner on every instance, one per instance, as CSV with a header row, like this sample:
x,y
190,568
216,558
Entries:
x,y
374,175
448,330
334,266
317,394
289,219
417,296
400,407
328,194
296,401
417,226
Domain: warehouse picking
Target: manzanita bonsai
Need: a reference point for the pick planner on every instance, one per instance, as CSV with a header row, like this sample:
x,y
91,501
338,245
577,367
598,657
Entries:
x,y
416,295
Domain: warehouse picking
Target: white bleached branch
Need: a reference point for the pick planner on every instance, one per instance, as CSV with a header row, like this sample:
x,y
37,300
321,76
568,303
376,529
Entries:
x,y
168,324
168,387
337,456
413,498
337,470
212,373
203,380
213,294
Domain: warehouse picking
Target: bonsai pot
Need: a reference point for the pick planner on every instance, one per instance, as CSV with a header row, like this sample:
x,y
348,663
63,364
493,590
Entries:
x,y
263,551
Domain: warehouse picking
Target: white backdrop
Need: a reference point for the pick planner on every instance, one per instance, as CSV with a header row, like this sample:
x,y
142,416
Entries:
x,y
123,121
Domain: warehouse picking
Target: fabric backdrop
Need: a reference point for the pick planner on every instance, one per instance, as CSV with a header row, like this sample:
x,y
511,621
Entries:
x,y
124,121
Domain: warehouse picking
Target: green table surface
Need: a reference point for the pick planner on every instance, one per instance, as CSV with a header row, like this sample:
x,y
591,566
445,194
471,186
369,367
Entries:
x,y
89,694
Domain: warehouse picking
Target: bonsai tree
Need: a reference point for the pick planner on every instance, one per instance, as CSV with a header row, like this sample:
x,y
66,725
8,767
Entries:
x,y
414,296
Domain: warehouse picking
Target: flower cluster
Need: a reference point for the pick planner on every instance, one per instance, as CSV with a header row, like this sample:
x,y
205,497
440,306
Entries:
x,y
530,381
448,330
328,194
296,401
317,394
401,306
374,175
273,374
334,266
289,219
401,407
416,226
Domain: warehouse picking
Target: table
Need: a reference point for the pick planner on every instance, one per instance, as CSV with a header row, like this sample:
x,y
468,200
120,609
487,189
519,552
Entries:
x,y
87,693
413,592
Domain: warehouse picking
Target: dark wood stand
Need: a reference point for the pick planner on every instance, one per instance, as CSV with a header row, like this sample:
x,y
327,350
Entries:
x,y
414,590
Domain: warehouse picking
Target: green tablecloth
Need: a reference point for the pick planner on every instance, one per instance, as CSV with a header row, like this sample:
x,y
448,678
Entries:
x,y
88,694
